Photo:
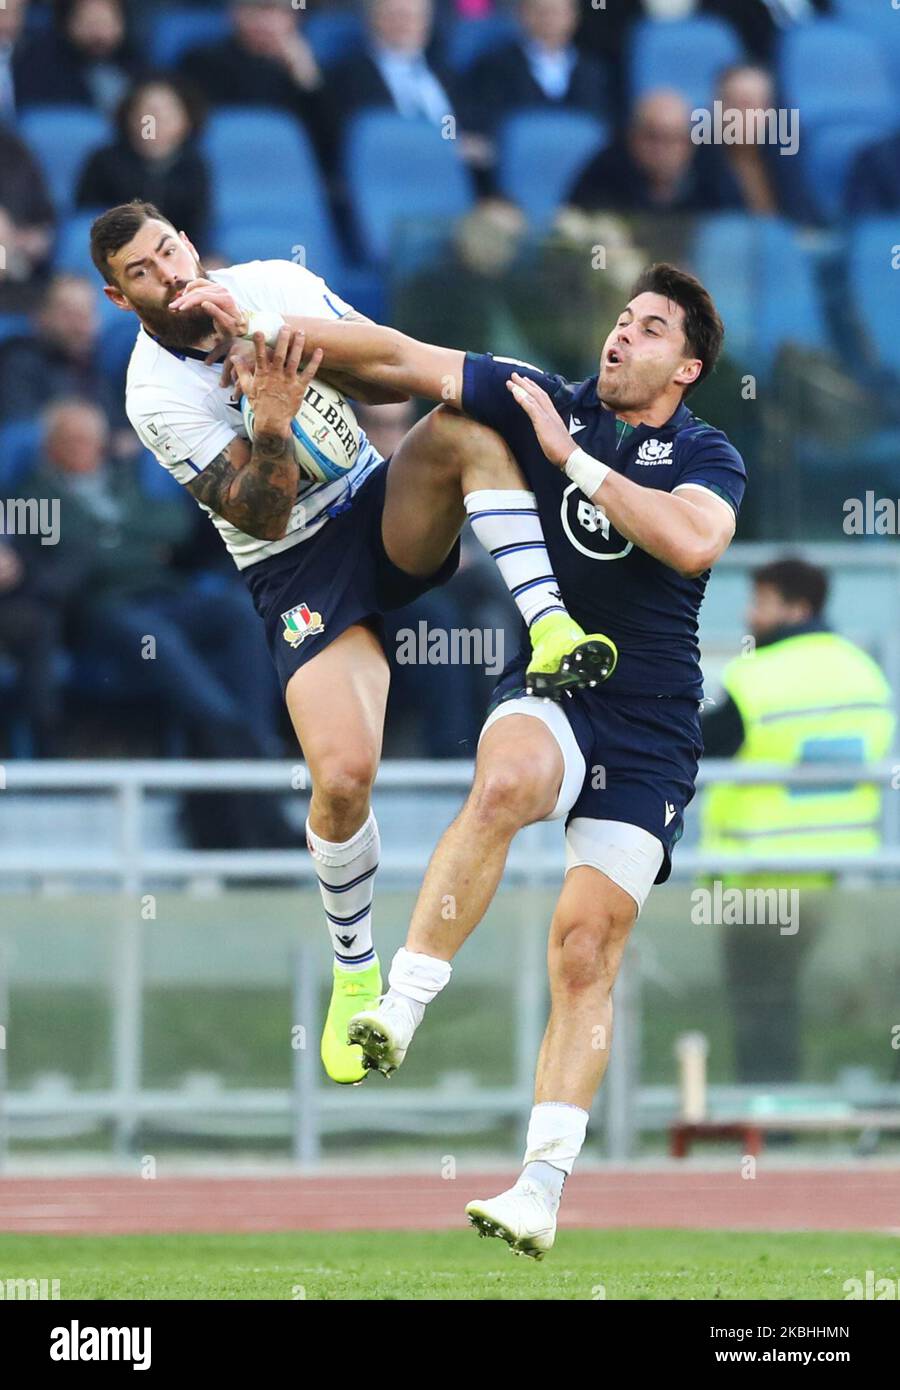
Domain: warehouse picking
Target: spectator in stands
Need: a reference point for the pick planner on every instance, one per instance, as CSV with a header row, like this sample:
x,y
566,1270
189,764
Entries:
x,y
760,23
26,222
750,175
541,68
30,634
87,61
12,23
59,358
266,61
653,167
199,655
155,157
394,72
873,185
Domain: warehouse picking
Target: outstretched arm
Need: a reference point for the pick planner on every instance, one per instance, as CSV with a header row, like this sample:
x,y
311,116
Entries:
x,y
376,356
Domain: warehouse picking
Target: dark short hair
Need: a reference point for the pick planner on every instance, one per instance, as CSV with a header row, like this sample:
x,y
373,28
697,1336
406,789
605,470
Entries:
x,y
703,328
795,580
114,229
187,94
64,9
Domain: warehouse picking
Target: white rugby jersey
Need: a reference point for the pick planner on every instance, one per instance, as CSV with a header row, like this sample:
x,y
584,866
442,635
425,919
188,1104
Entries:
x,y
185,418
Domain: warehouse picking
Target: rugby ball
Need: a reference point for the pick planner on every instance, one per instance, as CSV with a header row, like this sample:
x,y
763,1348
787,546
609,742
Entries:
x,y
325,431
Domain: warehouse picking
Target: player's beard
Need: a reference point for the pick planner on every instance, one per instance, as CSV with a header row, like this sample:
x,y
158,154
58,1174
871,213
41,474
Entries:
x,y
625,390
178,329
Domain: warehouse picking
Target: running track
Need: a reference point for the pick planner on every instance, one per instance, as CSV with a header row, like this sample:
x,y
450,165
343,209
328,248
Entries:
x,y
823,1199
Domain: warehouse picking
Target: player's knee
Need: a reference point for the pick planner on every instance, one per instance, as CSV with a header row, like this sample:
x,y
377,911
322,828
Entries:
x,y
510,794
447,438
589,948
342,785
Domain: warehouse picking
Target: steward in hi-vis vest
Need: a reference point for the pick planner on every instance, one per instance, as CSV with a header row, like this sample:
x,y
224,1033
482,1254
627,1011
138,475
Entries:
x,y
803,695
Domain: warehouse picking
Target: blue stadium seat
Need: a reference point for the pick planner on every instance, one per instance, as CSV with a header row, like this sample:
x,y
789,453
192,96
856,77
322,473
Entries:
x,y
763,281
881,22
304,237
14,325
72,252
365,290
61,138
174,32
684,54
831,71
397,168
285,170
470,39
20,443
117,334
539,154
827,157
155,481
874,247
335,35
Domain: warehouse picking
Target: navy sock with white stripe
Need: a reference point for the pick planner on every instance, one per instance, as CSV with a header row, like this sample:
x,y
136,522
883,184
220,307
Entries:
x,y
507,524
346,874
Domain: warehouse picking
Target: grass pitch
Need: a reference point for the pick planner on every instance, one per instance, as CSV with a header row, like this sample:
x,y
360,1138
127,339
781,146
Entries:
x,y
456,1265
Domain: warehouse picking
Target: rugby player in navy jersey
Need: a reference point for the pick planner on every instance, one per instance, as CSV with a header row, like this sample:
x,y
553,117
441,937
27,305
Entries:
x,y
637,499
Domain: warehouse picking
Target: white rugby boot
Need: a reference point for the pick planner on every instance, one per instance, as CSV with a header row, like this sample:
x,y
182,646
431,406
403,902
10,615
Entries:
x,y
520,1216
384,1033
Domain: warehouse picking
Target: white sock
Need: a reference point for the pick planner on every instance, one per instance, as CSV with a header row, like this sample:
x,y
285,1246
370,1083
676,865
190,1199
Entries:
x,y
507,524
417,978
346,874
556,1133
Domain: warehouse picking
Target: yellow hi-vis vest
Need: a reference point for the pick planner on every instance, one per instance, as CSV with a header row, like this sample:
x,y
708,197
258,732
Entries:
x,y
811,698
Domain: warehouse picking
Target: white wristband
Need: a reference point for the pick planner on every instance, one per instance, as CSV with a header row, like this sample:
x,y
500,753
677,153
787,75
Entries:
x,y
589,473
259,321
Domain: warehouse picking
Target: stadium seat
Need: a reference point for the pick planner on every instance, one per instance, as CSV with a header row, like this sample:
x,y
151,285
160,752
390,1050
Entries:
x,y
117,334
831,71
174,32
470,39
335,35
287,185
684,54
20,442
874,250
881,22
396,168
305,237
763,281
13,325
827,157
539,154
157,482
61,138
72,252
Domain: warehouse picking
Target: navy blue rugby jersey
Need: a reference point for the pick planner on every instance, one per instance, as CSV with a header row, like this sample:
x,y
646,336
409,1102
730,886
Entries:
x,y
608,584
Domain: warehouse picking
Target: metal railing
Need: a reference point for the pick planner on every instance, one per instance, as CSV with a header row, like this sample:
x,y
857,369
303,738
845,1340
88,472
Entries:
x,y
130,867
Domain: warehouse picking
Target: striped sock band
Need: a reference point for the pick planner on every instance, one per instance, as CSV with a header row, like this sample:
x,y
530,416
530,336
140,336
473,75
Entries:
x,y
346,874
507,524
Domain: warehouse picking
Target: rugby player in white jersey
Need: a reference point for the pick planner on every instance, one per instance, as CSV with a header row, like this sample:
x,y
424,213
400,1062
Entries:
x,y
322,561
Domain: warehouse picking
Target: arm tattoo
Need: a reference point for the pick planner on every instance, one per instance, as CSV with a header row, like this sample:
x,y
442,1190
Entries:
x,y
256,497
